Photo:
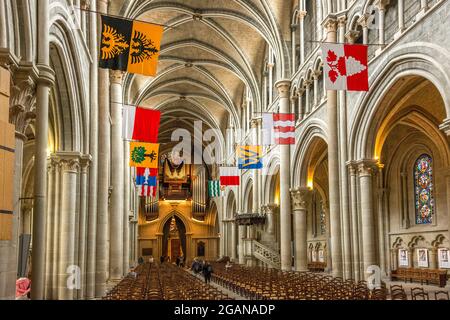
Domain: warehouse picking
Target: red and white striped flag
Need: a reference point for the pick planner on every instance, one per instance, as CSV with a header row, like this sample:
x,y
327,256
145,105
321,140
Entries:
x,y
229,176
345,67
278,128
147,191
141,124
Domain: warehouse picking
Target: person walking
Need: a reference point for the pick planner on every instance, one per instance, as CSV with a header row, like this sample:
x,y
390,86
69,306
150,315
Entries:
x,y
207,271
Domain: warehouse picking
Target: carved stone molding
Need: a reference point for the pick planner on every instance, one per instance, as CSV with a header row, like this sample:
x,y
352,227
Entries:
x,y
283,87
300,198
352,35
367,167
68,161
362,21
330,23
22,104
116,76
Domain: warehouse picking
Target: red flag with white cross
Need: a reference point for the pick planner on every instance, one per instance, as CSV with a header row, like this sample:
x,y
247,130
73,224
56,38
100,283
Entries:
x,y
345,67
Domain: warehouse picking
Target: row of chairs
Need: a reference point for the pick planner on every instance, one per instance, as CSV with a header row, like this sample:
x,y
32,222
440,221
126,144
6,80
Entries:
x,y
266,283
163,282
417,293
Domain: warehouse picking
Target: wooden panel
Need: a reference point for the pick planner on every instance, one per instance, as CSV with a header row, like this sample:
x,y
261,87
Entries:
x,y
4,94
7,144
6,226
4,82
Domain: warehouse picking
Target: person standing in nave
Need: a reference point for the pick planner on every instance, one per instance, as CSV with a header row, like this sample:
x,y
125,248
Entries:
x,y
207,271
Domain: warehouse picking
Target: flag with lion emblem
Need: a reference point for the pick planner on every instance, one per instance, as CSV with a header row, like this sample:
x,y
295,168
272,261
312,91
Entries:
x,y
131,46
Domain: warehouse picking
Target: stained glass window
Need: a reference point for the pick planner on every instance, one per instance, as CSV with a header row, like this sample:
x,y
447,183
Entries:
x,y
423,189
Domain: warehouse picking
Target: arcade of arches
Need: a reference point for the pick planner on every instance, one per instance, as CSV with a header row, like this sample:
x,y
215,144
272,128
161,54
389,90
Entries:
x,y
366,184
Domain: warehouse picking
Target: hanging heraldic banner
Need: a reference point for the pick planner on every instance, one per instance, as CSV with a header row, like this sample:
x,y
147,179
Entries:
x,y
144,155
131,46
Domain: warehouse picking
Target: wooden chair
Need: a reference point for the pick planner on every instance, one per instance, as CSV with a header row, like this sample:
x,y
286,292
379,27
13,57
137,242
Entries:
x,y
441,295
421,296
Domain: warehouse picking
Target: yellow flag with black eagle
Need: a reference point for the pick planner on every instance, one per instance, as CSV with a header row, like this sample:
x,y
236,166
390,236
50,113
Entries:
x,y
131,46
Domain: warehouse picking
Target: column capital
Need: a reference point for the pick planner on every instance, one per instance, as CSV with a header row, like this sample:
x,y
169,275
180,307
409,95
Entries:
x,y
46,75
307,84
352,35
269,208
300,198
445,126
85,4
342,21
366,167
116,76
330,23
316,74
283,87
67,160
85,162
104,2
381,4
22,104
302,14
362,21
255,122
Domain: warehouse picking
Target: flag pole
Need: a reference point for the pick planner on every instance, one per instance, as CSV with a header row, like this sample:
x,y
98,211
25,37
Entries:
x,y
121,17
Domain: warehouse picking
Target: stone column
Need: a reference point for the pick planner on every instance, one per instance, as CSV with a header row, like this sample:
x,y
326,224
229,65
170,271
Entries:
x,y
381,5
127,208
330,25
3,28
445,127
307,106
434,264
424,5
300,201
301,107
283,87
362,21
301,21
394,257
367,216
93,150
401,18
346,236
50,226
381,218
83,224
70,167
104,143
255,198
233,240
316,75
117,183
21,112
405,211
241,236
45,81
294,62
354,224
270,215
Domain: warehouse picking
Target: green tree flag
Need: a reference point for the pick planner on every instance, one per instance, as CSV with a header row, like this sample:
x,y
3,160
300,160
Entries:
x,y
214,188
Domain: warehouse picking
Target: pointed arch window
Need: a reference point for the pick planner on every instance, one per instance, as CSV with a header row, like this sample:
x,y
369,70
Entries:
x,y
423,189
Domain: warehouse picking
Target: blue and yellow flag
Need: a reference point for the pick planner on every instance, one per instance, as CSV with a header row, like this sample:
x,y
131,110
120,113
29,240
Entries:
x,y
249,157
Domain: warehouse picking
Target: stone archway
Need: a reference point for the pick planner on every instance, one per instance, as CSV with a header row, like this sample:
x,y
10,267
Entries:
x,y
174,239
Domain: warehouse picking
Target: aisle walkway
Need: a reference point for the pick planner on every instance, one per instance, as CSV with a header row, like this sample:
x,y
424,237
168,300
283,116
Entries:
x,y
224,290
